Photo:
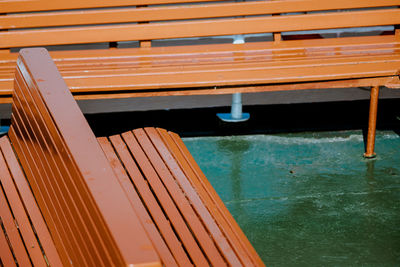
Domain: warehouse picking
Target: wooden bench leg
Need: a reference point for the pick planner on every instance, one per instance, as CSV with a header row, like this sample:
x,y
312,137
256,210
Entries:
x,y
373,109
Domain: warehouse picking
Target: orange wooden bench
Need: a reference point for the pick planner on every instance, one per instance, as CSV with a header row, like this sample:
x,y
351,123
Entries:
x,y
179,69
69,199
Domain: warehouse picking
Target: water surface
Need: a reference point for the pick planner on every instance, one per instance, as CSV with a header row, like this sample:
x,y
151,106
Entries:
x,y
309,199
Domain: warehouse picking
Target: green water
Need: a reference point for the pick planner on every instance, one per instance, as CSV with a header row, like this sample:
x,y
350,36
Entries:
x,y
309,199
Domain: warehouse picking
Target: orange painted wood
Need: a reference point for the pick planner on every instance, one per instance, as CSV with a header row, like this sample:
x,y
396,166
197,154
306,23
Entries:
x,y
165,199
9,6
208,191
168,30
29,203
198,29
20,216
193,197
152,155
201,234
142,186
243,249
78,205
167,255
11,228
124,15
6,255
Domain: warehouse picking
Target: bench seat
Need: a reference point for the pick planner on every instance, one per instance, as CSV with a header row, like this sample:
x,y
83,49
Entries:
x,y
69,199
224,68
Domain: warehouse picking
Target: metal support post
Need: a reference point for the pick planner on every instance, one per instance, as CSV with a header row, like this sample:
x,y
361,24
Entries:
x,y
236,114
373,110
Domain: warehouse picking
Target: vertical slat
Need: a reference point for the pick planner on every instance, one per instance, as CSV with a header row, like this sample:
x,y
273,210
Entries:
x,y
179,198
6,255
231,233
181,179
20,216
143,189
38,140
164,252
30,203
12,231
214,196
71,144
165,200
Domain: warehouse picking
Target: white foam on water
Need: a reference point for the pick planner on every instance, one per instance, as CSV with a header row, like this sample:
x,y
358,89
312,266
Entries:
x,y
288,140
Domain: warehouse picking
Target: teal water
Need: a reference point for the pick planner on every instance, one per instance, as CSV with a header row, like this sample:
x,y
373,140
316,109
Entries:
x,y
309,199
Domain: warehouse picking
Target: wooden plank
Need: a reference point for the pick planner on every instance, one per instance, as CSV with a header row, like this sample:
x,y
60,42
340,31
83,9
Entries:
x,y
30,203
215,198
165,200
231,234
181,201
390,82
168,30
6,255
48,194
11,228
329,68
221,214
20,216
101,196
299,46
166,236
10,6
51,169
230,77
124,15
192,195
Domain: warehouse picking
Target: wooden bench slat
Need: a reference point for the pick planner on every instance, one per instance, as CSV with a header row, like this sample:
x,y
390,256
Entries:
x,y
51,168
6,255
136,78
165,199
30,203
20,216
124,15
237,61
180,198
9,6
198,29
230,77
390,82
194,199
207,191
51,203
160,244
100,195
290,46
238,245
150,201
87,67
12,231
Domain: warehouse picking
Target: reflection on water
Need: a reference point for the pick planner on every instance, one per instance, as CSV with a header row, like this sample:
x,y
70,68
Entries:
x,y
309,199
234,149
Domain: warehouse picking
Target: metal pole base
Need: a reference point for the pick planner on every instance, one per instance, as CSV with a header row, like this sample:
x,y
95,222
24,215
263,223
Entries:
x,y
369,156
236,114
227,117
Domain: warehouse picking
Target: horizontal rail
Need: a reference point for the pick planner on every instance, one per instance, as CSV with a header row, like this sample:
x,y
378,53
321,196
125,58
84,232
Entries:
x,y
124,15
199,28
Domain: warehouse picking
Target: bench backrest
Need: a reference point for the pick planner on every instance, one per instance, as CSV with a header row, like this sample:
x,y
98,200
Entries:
x,y
87,212
45,23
